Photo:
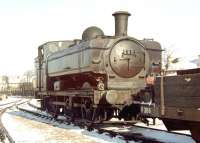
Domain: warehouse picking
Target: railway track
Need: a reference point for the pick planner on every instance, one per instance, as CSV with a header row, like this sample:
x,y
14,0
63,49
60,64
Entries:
x,y
3,132
125,130
3,107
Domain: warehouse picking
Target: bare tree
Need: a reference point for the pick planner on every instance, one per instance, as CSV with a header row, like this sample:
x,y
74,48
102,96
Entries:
x,y
168,59
5,80
28,75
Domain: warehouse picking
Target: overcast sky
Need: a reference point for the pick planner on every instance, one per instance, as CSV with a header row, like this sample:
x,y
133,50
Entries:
x,y
26,24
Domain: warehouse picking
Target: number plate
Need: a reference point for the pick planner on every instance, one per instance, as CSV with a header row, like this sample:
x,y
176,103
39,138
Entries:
x,y
146,110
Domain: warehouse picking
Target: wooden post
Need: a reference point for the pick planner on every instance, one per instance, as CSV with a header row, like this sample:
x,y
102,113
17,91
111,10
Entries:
x,y
162,98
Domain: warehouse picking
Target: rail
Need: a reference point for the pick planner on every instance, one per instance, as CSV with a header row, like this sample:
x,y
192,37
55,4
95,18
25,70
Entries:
x,y
129,132
3,132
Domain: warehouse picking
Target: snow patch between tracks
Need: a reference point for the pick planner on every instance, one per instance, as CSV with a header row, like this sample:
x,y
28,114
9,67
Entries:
x,y
24,127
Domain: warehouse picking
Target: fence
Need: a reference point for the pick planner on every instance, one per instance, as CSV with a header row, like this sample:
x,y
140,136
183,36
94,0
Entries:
x,y
22,89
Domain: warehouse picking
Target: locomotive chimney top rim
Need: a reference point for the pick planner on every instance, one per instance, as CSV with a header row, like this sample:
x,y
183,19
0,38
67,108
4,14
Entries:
x,y
121,22
121,12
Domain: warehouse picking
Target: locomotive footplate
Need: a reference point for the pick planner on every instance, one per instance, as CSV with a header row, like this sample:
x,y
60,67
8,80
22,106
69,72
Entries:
x,y
67,93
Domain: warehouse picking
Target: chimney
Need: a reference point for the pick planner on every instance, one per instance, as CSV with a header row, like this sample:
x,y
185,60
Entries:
x,y
121,23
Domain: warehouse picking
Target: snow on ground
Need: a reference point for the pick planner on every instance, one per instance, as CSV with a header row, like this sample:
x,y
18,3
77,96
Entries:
x,y
12,101
25,127
155,134
8,100
56,132
163,136
160,125
36,102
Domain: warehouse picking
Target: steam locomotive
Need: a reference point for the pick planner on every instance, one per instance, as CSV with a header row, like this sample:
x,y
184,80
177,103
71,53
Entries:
x,y
99,77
